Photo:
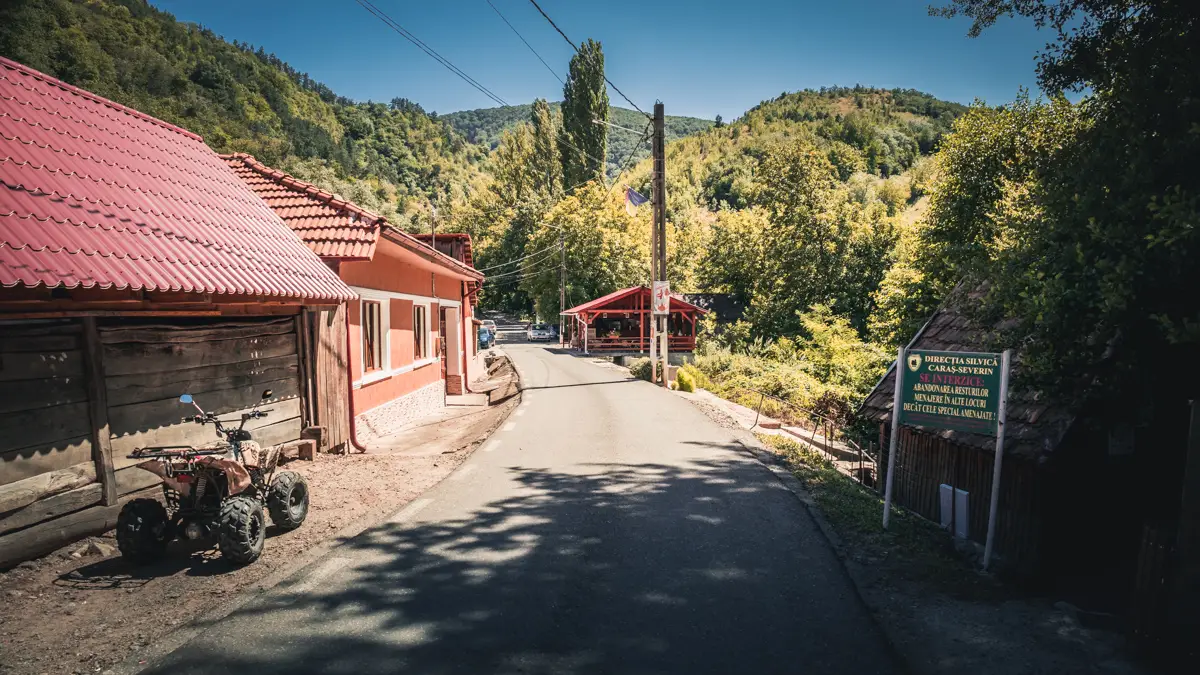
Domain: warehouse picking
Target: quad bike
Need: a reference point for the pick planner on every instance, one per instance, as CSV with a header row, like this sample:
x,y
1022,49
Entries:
x,y
215,490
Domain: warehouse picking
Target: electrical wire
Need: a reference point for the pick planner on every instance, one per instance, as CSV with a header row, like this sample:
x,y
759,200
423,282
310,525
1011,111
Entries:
x,y
518,34
625,165
511,262
391,23
616,126
524,268
564,36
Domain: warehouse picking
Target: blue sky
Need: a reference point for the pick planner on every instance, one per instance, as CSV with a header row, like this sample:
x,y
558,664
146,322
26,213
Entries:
x,y
703,58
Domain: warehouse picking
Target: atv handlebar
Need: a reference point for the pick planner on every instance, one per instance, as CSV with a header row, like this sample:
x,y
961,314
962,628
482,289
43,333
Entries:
x,y
172,451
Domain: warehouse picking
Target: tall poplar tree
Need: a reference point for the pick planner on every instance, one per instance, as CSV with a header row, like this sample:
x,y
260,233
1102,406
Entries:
x,y
546,161
585,99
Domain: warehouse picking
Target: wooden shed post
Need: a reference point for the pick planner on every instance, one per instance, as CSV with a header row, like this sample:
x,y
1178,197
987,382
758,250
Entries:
x,y
98,411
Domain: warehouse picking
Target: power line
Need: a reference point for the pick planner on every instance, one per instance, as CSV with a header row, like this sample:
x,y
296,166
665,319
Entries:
x,y
518,34
564,36
546,255
617,126
510,262
625,164
521,274
391,23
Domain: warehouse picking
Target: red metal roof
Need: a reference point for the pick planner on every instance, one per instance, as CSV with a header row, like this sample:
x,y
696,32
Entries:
x,y
94,194
332,227
599,304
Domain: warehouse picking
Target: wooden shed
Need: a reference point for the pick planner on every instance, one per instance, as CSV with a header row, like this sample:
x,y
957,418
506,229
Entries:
x,y
135,267
1089,497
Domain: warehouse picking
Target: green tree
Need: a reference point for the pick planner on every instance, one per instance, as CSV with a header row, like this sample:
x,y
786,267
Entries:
x,y
1103,238
546,161
606,249
585,100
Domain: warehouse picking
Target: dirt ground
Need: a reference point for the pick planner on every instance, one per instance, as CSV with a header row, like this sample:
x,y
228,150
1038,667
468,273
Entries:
x,y
69,614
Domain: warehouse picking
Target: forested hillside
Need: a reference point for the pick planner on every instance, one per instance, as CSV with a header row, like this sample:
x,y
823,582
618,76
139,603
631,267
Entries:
x,y
391,157
486,125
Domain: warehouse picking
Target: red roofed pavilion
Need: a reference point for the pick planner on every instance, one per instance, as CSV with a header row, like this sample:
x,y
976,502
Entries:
x,y
620,322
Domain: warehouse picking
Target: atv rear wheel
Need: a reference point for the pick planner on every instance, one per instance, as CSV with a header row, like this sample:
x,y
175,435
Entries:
x,y
243,530
288,500
143,530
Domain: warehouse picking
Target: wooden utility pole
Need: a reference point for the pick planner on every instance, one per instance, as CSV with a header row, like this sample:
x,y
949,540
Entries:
x,y
562,286
659,229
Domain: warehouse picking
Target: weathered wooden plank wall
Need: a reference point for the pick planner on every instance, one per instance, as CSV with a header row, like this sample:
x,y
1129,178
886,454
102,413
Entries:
x,y
225,365
326,340
45,445
51,430
925,462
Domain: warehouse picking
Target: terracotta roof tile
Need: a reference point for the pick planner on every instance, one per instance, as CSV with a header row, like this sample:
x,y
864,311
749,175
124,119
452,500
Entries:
x,y
331,226
95,194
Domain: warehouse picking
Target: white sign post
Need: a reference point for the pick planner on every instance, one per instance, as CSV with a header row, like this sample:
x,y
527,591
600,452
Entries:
x,y
897,401
1002,419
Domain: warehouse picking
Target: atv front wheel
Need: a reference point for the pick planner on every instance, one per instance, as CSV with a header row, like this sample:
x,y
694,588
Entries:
x,y
143,530
243,530
288,500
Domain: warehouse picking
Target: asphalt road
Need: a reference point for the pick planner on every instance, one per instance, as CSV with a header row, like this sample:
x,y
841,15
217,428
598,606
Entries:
x,y
608,527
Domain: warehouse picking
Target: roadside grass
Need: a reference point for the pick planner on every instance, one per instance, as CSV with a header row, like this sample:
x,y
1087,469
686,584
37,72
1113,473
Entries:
x,y
912,549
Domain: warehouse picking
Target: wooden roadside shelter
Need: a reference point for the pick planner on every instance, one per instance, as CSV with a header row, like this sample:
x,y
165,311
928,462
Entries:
x,y
1090,504
134,267
621,321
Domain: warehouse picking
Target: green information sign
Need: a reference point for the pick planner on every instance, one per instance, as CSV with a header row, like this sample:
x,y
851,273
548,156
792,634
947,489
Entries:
x,y
951,390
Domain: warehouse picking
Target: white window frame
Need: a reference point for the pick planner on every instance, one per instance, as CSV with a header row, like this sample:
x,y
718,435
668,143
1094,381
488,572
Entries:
x,y
384,298
385,342
424,355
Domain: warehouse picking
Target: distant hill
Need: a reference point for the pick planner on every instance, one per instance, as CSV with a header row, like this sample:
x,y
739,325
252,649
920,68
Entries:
x,y
386,156
484,126
865,132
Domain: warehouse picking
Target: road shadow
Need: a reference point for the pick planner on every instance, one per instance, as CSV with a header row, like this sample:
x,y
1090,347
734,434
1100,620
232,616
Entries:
x,y
697,566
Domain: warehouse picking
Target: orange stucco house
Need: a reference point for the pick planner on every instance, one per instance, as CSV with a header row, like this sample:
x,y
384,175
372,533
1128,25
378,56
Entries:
x,y
411,335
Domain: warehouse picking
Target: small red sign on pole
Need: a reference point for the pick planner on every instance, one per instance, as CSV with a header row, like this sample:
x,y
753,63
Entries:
x,y
662,298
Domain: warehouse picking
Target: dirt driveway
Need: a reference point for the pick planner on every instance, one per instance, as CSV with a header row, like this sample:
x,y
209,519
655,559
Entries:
x,y
83,608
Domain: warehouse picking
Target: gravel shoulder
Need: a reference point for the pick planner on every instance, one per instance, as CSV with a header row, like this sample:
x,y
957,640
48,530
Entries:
x,y
82,608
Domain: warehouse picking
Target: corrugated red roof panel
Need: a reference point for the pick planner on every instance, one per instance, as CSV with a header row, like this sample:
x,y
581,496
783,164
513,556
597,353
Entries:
x,y
94,194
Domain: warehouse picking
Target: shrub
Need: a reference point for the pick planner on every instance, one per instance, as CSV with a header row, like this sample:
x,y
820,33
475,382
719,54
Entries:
x,y
641,368
699,379
684,380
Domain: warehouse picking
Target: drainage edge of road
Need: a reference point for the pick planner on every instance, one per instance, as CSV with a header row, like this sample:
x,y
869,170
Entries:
x,y
777,466
297,569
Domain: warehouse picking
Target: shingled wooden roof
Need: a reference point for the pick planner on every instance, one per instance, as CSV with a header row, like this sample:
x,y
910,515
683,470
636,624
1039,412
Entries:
x,y
1036,423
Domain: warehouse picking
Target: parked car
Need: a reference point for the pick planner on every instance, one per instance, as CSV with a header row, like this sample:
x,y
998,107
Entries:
x,y
539,331
491,325
486,338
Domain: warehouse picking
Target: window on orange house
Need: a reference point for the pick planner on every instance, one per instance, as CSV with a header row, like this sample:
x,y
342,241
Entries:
x,y
420,333
372,329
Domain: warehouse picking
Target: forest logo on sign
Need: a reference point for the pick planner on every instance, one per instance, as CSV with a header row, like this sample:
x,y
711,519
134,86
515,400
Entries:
x,y
914,362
